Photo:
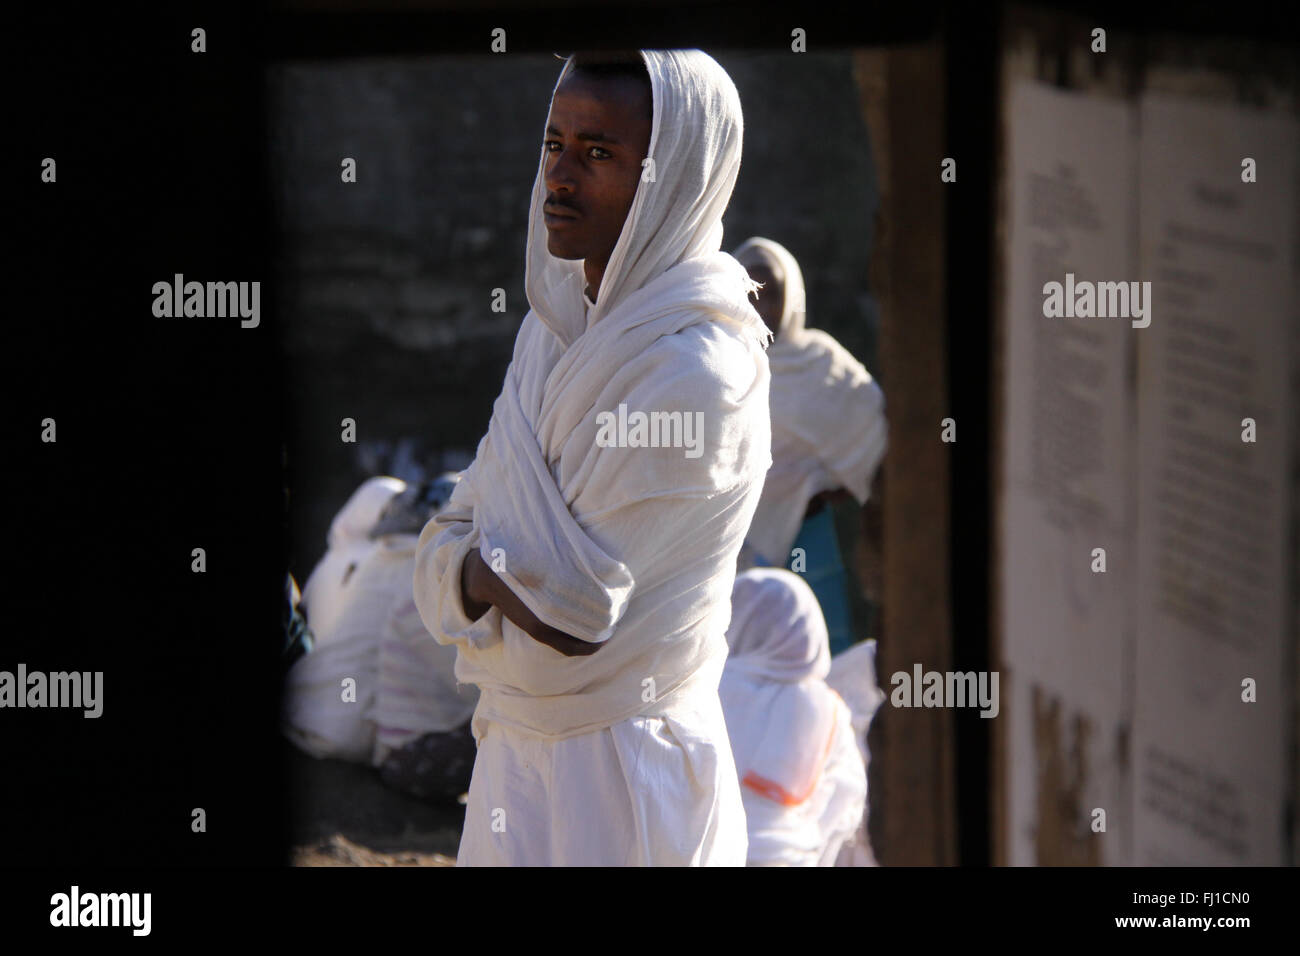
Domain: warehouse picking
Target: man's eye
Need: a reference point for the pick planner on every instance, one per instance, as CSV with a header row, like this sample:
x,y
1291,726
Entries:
x,y
595,151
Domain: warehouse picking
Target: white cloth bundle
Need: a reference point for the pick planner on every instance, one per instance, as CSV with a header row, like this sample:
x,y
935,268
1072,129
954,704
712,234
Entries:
x,y
828,423
631,546
803,780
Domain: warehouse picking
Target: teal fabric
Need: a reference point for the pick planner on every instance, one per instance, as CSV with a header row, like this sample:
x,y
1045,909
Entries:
x,y
826,574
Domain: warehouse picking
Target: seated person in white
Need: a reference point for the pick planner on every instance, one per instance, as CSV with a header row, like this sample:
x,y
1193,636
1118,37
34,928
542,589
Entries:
x,y
374,681
802,776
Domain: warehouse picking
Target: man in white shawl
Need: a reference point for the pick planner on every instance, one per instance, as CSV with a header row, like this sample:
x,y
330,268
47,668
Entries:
x,y
828,423
802,773
584,571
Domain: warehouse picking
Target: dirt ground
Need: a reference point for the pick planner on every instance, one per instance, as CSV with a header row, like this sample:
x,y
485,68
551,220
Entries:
x,y
338,850
344,816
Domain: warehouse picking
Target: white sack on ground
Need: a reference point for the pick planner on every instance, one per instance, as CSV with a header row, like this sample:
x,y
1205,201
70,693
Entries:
x,y
802,776
828,422
633,547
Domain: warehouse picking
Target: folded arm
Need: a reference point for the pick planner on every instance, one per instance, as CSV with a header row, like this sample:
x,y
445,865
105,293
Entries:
x,y
482,589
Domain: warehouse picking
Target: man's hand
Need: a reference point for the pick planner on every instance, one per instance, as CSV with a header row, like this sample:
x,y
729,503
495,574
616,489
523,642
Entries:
x,y
472,592
481,589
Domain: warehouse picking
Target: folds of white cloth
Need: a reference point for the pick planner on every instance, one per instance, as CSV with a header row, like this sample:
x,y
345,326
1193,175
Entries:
x,y
347,543
853,677
646,791
418,692
828,431
802,776
331,692
632,547
828,421
801,803
375,678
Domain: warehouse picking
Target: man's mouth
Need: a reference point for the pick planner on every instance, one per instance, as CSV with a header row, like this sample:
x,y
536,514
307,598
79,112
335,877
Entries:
x,y
558,215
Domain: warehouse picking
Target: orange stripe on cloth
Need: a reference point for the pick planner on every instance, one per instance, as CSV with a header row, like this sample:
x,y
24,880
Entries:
x,y
774,791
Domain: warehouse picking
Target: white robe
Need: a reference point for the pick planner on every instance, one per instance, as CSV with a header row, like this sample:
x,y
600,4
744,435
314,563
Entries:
x,y
418,692
803,779
853,677
347,543
828,419
365,627
647,791
345,635
621,756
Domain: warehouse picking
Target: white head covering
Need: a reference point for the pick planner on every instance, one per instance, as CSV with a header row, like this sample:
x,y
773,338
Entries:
x,y
777,629
793,306
349,543
802,779
695,144
828,417
355,519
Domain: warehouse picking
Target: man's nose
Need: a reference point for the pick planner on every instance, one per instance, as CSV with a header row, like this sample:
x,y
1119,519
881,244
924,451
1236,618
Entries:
x,y
559,172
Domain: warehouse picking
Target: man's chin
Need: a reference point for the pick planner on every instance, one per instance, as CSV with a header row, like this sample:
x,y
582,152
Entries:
x,y
561,249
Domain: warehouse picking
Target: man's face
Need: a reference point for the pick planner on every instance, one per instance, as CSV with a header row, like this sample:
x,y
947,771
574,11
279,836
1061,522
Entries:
x,y
596,137
768,300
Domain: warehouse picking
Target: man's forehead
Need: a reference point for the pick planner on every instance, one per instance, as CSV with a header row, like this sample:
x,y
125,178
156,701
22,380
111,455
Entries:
x,y
614,98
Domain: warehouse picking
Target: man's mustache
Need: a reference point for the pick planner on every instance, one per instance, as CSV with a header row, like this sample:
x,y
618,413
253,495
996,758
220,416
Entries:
x,y
554,205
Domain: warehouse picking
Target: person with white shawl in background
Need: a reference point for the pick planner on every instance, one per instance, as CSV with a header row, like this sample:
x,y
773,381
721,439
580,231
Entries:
x,y
802,775
828,424
359,606
315,715
583,568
